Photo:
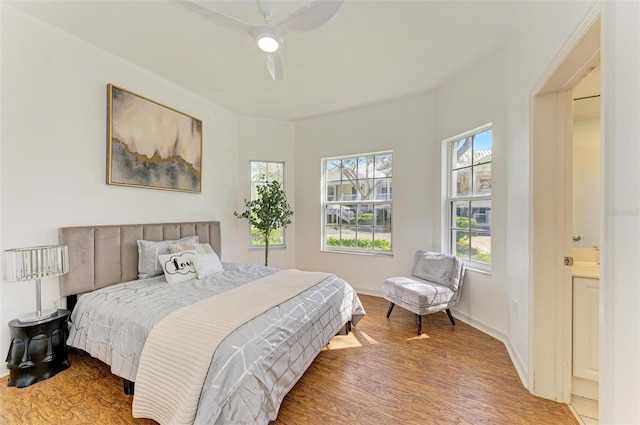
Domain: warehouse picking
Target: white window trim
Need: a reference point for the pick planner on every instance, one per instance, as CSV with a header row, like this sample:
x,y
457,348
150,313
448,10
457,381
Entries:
x,y
324,203
447,199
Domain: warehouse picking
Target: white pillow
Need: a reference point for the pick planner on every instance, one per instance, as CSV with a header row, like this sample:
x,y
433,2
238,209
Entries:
x,y
178,267
200,248
207,264
148,252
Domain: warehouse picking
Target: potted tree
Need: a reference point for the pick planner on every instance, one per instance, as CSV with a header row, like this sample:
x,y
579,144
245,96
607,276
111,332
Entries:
x,y
270,211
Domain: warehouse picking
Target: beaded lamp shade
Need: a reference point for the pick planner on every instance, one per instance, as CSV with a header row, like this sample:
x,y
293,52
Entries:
x,y
35,263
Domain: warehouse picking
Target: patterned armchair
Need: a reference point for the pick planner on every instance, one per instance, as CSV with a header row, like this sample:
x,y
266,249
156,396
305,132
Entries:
x,y
435,285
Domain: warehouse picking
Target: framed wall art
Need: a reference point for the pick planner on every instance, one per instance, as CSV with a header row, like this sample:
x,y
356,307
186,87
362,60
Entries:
x,y
151,145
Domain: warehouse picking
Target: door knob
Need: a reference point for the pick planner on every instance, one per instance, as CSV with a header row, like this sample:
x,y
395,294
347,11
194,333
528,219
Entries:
x,y
576,238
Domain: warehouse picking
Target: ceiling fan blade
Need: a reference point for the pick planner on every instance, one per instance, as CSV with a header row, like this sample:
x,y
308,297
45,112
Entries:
x,y
274,66
216,16
311,16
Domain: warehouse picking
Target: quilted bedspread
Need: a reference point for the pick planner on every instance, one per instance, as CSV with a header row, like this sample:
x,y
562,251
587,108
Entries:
x,y
252,369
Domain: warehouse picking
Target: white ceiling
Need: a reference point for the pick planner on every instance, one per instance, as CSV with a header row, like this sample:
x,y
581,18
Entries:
x,y
368,52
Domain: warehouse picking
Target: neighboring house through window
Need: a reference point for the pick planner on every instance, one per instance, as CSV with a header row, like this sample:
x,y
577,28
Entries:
x,y
264,172
469,196
357,203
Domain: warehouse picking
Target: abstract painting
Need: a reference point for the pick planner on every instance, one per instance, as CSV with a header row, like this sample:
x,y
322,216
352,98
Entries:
x,y
151,145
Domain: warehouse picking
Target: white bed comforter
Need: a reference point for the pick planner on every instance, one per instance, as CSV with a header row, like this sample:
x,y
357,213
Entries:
x,y
253,368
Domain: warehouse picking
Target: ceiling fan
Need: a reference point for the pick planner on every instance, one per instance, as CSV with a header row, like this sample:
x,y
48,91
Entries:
x,y
270,36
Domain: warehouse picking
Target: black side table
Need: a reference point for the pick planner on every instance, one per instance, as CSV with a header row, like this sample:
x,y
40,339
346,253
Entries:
x,y
38,350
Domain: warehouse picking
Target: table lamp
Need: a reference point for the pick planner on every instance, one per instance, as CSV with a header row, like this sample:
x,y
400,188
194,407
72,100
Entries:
x,y
25,264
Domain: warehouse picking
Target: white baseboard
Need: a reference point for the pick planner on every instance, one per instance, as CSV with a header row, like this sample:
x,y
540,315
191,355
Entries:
x,y
521,370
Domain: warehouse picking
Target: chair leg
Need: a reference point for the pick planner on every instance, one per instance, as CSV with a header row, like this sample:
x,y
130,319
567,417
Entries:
x,y
390,308
453,322
419,324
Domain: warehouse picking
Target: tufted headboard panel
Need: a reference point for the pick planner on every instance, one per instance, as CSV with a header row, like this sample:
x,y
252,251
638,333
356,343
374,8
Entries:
x,y
101,256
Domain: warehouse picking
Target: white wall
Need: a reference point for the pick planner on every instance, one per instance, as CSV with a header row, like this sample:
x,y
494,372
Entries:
x,y
405,126
53,152
531,49
620,268
266,140
475,97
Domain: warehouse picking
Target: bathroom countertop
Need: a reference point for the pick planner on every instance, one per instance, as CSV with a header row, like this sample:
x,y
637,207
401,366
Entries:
x,y
586,269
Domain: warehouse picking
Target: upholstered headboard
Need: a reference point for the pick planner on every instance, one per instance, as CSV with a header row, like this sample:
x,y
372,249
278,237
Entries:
x,y
101,256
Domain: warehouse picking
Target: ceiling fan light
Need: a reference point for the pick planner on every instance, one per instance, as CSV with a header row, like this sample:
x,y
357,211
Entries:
x,y
268,43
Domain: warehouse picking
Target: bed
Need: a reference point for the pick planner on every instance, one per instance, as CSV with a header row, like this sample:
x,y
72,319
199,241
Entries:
x,y
119,319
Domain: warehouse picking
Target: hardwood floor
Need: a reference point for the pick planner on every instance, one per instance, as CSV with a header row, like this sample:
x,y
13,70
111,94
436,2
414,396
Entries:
x,y
382,373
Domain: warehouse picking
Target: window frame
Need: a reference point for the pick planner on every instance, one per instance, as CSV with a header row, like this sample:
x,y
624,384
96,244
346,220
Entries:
x,y
262,246
450,198
374,203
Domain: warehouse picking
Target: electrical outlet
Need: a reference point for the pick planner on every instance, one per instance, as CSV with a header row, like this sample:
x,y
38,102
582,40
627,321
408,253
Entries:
x,y
54,303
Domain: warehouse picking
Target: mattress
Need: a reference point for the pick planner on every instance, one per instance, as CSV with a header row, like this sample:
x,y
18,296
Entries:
x,y
253,368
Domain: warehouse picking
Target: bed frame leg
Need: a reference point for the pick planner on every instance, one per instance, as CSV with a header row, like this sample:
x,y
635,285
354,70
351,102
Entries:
x,y
128,386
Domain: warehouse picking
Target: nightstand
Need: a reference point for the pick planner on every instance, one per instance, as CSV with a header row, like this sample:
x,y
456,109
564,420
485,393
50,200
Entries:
x,y
38,350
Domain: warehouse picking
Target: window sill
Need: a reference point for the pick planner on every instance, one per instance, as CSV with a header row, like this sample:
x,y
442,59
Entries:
x,y
368,254
271,247
475,267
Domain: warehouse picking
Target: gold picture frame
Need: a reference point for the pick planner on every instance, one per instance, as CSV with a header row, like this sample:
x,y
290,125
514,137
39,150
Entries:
x,y
151,145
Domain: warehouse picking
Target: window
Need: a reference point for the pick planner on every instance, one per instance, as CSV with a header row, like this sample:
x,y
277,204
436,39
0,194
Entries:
x,y
469,199
264,172
357,203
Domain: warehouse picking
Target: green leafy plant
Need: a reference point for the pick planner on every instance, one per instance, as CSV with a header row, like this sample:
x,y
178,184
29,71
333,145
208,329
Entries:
x,y
378,244
268,213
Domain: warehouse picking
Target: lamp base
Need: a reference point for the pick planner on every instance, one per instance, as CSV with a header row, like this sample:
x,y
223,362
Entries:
x,y
37,316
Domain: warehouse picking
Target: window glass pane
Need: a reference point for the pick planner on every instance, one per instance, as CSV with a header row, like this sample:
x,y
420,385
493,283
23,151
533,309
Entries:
x,y
461,179
482,147
349,170
332,235
331,190
348,192
258,171
382,215
339,214
383,189
365,215
460,241
382,241
481,214
460,215
254,189
365,167
383,165
482,179
348,236
333,170
349,214
275,171
365,189
462,153
481,247
365,237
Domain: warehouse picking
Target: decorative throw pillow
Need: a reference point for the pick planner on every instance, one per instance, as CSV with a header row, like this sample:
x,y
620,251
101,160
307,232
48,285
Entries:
x,y
178,267
207,264
148,252
200,248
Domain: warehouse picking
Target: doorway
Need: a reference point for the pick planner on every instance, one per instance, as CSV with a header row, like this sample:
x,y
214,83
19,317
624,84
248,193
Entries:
x,y
551,332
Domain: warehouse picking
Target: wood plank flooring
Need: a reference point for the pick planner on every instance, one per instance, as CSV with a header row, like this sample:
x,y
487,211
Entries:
x,y
380,374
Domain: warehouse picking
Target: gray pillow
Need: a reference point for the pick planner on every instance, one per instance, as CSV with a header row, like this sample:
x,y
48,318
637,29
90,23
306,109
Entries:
x,y
148,251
